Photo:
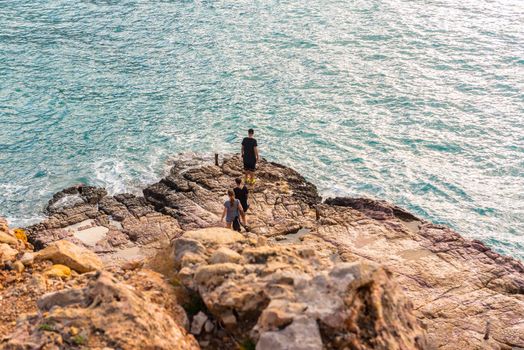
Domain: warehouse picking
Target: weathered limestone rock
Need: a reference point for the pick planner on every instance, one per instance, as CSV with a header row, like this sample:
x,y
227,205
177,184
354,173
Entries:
x,y
225,255
7,253
283,299
18,266
6,238
466,295
27,258
216,236
301,334
106,313
198,322
69,254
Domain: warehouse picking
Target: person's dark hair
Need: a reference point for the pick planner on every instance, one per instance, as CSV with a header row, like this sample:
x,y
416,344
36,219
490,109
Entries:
x,y
238,180
251,131
231,195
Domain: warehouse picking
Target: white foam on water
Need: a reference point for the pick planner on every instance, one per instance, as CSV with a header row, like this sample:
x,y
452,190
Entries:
x,y
67,201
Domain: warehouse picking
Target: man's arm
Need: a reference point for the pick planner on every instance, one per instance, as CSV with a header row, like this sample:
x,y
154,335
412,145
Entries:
x,y
242,213
256,152
242,152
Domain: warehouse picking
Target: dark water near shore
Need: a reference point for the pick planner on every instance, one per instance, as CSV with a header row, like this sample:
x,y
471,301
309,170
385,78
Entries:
x,y
420,102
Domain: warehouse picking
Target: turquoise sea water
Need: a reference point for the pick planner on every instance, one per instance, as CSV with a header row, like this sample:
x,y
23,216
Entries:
x,y
417,102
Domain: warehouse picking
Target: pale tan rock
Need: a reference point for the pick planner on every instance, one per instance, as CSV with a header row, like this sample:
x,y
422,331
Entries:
x,y
274,317
190,258
209,326
27,258
37,284
66,253
7,238
229,320
18,266
225,255
185,245
302,334
215,273
7,253
215,235
198,323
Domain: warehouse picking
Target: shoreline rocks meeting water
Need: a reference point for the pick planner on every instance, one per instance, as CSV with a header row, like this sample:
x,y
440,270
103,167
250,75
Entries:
x,y
155,271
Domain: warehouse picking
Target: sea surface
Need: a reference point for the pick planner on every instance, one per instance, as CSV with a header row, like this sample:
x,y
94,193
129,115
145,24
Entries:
x,y
417,102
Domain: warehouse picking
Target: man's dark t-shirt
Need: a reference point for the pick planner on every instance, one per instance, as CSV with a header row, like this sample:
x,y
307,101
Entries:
x,y
241,194
249,150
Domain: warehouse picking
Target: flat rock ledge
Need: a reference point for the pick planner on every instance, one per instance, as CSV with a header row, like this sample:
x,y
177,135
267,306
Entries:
x,y
344,273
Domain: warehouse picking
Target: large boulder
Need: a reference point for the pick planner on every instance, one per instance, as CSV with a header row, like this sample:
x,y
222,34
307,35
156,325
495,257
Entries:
x,y
66,253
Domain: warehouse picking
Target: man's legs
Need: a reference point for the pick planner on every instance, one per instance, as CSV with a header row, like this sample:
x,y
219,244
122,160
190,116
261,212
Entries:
x,y
252,177
249,172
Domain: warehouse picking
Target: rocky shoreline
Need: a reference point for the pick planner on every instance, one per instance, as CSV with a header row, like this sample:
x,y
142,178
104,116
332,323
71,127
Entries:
x,y
344,273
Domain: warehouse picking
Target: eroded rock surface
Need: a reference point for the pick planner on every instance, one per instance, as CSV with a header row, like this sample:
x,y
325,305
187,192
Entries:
x,y
295,296
466,295
105,313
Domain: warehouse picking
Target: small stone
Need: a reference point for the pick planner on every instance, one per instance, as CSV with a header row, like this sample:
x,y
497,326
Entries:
x,y
229,320
307,252
133,264
74,331
303,333
37,284
18,266
58,270
7,253
198,322
28,258
209,326
20,234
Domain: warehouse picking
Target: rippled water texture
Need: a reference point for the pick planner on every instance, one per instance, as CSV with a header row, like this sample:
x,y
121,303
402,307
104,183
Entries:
x,y
418,102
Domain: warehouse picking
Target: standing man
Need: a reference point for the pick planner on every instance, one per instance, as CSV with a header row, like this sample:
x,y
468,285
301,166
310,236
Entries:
x,y
250,156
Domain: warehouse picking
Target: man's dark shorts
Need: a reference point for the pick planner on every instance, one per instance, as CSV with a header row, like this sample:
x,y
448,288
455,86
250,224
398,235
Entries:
x,y
250,165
